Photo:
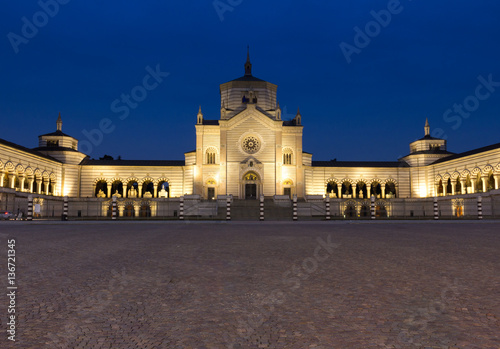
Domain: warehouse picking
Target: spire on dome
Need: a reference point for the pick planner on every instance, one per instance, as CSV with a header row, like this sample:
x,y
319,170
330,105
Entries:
x,y
427,128
59,123
248,65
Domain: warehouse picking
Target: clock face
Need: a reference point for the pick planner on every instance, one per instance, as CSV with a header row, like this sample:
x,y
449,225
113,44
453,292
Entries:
x,y
251,145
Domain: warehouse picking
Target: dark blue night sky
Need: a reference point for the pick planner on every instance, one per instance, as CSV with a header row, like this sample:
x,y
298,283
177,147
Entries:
x,y
424,59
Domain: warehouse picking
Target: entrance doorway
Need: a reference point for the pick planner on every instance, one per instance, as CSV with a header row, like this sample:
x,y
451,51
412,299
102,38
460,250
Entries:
x,y
211,194
251,186
287,192
251,191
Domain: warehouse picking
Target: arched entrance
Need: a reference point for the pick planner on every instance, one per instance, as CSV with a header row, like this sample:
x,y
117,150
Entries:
x,y
145,210
458,186
346,190
101,188
361,190
440,189
490,185
211,192
148,189
163,189
458,208
332,189
448,187
380,210
129,210
350,210
117,188
251,186
133,189
376,190
390,190
287,188
364,211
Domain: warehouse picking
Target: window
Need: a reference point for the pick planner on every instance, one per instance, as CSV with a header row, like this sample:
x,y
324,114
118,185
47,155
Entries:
x,y
287,157
211,156
52,143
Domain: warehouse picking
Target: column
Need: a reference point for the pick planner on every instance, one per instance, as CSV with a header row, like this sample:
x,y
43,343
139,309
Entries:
x,y
436,188
339,190
12,180
453,187
30,208
473,182
383,190
46,188
155,191
354,191
445,189
261,215
462,185
396,190
137,209
93,190
327,207
139,191
109,190
436,208
295,207
484,179
30,182
479,207
114,208
65,209
497,180
120,210
39,186
21,183
368,190
372,207
2,175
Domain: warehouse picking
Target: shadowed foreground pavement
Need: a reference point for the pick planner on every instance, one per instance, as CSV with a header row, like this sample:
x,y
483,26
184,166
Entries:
x,y
254,285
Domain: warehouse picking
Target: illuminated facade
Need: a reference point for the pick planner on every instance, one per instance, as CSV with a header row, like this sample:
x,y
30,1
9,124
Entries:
x,y
247,152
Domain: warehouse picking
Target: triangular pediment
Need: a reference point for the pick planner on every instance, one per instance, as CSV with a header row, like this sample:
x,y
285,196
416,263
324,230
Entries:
x,y
249,159
251,112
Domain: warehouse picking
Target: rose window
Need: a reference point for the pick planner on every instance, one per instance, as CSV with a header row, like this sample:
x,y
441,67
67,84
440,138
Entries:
x,y
251,145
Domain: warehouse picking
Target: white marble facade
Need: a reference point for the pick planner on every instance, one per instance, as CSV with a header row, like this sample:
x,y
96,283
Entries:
x,y
247,151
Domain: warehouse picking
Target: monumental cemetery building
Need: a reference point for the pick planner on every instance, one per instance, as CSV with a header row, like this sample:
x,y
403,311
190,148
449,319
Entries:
x,y
246,152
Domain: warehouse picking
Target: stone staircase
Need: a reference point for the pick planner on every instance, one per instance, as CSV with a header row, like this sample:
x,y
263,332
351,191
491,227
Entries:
x,y
245,210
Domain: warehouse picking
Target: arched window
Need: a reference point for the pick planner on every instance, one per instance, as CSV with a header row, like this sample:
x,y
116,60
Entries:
x,y
287,156
101,188
332,189
211,156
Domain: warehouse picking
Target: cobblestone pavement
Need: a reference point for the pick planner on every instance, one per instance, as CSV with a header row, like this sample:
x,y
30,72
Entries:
x,y
254,285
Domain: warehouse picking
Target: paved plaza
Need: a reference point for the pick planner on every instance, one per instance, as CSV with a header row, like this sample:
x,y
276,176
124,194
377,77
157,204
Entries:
x,y
254,284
